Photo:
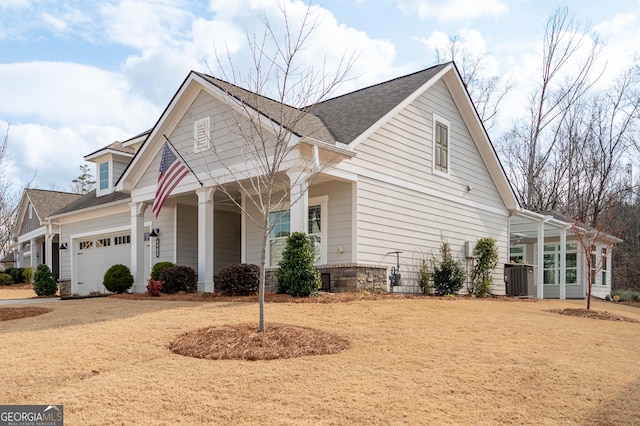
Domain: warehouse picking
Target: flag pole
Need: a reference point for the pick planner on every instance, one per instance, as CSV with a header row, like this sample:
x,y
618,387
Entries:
x,y
183,160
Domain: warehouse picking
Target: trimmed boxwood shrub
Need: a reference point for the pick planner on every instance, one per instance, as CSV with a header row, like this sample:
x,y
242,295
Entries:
x,y
179,278
5,279
297,275
118,279
44,283
238,279
18,275
158,268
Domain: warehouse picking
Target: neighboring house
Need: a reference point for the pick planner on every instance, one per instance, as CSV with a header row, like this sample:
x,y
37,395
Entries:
x,y
37,237
7,262
408,164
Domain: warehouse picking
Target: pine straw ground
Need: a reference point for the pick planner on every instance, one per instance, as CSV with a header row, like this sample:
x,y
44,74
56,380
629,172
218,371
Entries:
x,y
409,360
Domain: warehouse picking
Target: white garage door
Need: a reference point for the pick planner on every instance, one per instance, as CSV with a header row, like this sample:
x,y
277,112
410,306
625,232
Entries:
x,y
97,254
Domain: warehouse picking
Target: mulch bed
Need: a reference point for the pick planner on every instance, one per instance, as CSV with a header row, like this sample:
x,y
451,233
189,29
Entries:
x,y
588,313
244,342
7,314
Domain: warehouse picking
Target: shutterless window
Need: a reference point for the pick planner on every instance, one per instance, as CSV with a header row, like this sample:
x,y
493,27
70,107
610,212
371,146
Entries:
x,y
104,175
441,145
604,266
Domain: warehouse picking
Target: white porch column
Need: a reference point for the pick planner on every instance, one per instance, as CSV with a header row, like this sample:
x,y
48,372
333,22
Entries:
x,y
205,239
563,264
299,201
20,258
540,274
48,251
35,253
137,247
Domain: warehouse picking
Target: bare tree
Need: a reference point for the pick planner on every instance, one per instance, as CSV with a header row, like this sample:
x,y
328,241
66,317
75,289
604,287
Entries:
x,y
83,183
8,200
274,130
532,143
486,92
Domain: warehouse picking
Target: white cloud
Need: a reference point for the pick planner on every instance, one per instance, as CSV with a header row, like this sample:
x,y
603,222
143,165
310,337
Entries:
x,y
56,93
53,154
453,10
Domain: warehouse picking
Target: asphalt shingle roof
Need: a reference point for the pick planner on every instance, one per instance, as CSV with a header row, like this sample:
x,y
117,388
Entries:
x,y
349,115
90,200
46,202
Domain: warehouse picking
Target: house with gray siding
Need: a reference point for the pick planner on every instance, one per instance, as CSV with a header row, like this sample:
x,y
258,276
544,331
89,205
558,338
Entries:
x,y
405,164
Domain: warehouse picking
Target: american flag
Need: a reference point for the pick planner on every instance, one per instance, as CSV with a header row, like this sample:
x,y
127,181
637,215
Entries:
x,y
172,171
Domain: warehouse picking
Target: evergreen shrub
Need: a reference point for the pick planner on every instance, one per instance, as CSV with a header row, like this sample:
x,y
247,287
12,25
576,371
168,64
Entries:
x,y
118,279
44,283
297,274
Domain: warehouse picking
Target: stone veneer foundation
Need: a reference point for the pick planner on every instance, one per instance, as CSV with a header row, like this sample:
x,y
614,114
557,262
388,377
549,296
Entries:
x,y
343,277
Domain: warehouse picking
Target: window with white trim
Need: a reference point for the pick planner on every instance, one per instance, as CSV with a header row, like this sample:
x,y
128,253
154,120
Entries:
x,y
604,266
551,270
594,265
103,170
517,253
201,134
122,239
84,245
441,145
316,230
103,242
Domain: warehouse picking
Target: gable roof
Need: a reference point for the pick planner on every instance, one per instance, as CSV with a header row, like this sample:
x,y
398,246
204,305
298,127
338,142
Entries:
x,y
308,124
90,200
350,115
46,202
347,119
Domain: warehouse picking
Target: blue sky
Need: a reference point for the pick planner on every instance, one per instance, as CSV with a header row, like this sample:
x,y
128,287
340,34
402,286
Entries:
x,y
76,75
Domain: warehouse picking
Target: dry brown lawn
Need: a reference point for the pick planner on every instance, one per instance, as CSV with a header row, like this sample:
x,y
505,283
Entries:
x,y
409,361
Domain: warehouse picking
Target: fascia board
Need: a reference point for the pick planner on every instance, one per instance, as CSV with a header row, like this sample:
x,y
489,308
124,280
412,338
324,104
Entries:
x,y
480,137
91,212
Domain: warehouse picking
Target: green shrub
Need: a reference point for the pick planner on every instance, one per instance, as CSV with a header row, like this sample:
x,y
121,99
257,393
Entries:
x,y
118,279
27,273
486,257
158,268
448,276
424,276
44,283
18,275
179,278
5,279
238,279
296,274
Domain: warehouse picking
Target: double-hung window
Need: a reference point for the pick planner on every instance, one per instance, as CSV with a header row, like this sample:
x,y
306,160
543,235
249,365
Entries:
x,y
441,145
280,222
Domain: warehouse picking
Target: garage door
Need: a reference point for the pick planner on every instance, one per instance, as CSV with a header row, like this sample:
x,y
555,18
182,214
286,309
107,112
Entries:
x,y
97,254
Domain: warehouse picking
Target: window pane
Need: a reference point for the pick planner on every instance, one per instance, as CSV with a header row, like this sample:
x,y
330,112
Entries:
x,y
276,248
314,220
316,243
572,260
549,277
281,224
571,276
104,175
